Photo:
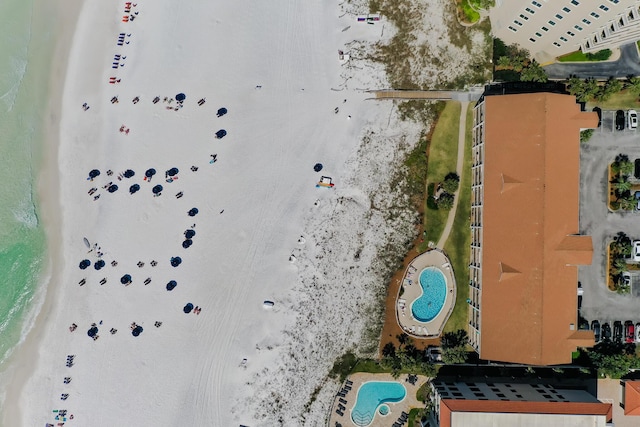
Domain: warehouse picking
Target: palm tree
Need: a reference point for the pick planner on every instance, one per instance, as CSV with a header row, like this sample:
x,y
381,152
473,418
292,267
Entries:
x,y
633,84
626,168
628,204
504,61
621,185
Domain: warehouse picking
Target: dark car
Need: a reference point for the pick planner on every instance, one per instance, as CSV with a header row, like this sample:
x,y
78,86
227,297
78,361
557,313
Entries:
x,y
606,331
617,331
620,119
595,327
598,111
629,331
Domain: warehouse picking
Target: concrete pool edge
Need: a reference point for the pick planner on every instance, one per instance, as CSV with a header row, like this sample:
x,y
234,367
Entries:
x,y
422,293
382,403
408,293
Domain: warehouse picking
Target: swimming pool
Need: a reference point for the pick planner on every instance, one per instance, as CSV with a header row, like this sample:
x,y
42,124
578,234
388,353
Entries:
x,y
434,293
371,395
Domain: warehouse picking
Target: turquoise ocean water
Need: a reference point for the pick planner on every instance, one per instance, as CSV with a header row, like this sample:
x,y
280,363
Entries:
x,y
26,50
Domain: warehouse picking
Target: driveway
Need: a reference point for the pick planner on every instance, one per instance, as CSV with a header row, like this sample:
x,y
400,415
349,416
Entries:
x,y
628,64
597,221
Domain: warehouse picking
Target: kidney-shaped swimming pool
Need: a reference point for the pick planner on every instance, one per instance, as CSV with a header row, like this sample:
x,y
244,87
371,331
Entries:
x,y
434,292
371,395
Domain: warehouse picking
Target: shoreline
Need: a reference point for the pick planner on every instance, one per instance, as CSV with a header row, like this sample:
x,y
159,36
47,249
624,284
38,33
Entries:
x,y
46,184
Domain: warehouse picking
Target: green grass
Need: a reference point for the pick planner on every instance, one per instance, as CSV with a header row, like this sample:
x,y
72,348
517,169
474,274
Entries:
x,y
413,413
441,161
578,56
468,13
458,244
622,100
369,365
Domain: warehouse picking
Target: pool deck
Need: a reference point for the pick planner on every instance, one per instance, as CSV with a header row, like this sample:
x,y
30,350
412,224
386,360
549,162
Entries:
x,y
412,290
396,409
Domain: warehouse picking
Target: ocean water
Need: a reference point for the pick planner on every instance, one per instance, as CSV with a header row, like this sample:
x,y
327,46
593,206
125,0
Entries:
x,y
26,49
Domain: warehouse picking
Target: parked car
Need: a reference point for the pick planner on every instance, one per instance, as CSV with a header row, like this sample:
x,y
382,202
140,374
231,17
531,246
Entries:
x,y
632,119
620,120
595,327
598,111
617,331
636,250
638,332
606,331
434,354
626,278
629,331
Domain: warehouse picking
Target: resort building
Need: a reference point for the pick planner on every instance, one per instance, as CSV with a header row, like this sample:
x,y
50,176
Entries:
x,y
525,242
495,404
550,28
630,399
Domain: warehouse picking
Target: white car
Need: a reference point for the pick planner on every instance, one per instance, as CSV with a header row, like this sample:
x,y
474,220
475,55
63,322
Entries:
x,y
636,251
626,277
632,118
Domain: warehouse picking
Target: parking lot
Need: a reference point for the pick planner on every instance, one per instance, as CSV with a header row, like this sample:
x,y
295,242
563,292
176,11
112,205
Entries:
x,y
598,302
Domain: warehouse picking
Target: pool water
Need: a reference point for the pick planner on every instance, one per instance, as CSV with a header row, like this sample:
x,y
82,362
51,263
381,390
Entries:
x,y
383,410
434,293
371,395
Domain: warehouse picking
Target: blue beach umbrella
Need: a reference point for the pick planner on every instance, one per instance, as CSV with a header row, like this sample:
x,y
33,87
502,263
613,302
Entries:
x,y
84,264
176,261
92,332
137,330
150,172
187,243
98,265
128,173
134,188
173,172
94,173
189,233
157,189
171,285
181,97
112,188
193,212
187,308
317,167
125,279
221,133
221,112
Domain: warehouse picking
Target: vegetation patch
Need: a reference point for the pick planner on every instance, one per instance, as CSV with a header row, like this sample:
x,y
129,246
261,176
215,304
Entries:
x,y
620,195
458,245
611,359
466,12
516,64
578,56
406,358
618,253
454,347
624,100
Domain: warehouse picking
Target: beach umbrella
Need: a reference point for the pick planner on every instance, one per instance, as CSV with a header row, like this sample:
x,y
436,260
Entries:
x,y
125,279
150,172
93,331
172,171
171,285
181,97
86,242
221,112
187,308
112,188
176,261
128,173
317,167
94,173
157,189
137,330
134,188
98,265
84,264
189,233
193,212
187,243
221,133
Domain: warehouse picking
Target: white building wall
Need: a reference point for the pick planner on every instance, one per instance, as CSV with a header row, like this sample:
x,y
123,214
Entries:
x,y
550,28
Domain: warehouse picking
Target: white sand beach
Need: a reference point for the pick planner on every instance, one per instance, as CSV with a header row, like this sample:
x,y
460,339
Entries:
x,y
290,104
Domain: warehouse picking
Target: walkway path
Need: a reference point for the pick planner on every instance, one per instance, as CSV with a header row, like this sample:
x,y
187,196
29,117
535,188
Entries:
x,y
437,95
459,170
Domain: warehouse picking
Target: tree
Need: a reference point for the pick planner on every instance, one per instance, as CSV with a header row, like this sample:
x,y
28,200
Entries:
x,y
451,356
585,135
628,203
389,350
575,85
451,182
612,86
533,73
633,84
621,184
445,201
402,338
454,339
504,62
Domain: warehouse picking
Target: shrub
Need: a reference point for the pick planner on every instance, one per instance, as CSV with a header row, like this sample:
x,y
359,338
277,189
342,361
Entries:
x,y
445,201
451,183
601,55
586,135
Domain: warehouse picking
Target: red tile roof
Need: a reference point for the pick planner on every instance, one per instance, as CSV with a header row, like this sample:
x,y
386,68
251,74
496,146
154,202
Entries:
x,y
632,398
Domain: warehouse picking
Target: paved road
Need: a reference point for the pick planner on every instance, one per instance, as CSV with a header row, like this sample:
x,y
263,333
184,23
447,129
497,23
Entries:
x,y
596,220
628,64
459,170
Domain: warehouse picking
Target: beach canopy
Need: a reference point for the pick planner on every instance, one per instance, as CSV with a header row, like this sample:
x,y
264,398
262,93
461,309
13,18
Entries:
x,y
181,97
187,243
157,189
317,167
150,172
128,173
137,330
94,173
189,233
187,308
125,279
112,188
221,133
172,171
221,112
134,188
176,261
171,285
84,264
93,331
98,265
193,212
